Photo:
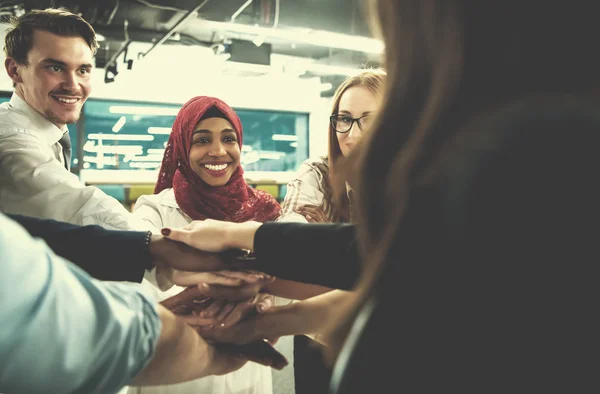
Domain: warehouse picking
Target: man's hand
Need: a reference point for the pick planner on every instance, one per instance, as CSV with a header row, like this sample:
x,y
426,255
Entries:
x,y
268,324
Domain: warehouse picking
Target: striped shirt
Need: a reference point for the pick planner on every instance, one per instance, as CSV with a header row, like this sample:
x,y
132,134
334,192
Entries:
x,y
307,188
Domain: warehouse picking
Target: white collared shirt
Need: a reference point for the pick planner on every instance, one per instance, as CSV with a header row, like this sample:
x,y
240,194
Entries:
x,y
161,210
35,182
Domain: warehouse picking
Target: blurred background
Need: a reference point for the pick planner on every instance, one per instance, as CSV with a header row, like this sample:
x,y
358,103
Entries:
x,y
277,62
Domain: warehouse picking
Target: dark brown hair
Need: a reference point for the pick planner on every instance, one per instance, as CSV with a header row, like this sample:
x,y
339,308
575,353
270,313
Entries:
x,y
448,61
19,37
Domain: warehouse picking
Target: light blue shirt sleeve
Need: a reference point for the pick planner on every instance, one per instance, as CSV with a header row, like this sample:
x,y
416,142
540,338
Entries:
x,y
62,331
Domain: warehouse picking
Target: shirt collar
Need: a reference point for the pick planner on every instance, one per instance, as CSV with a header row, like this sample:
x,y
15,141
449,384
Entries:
x,y
168,199
39,125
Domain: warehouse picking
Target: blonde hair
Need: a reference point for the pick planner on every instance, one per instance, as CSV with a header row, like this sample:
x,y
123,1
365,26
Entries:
x,y
373,80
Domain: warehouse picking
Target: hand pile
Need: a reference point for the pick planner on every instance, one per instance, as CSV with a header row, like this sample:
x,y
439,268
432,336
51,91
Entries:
x,y
215,302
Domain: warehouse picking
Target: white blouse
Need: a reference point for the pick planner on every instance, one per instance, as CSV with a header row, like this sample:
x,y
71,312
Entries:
x,y
161,210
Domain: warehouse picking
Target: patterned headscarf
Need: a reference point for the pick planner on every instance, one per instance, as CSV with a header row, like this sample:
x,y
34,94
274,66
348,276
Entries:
x,y
233,202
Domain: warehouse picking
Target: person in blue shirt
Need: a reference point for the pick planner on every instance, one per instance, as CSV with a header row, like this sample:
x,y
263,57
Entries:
x,y
65,332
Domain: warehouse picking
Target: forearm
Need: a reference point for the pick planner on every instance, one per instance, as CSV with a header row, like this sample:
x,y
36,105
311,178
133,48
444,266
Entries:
x,y
294,290
104,254
308,317
319,254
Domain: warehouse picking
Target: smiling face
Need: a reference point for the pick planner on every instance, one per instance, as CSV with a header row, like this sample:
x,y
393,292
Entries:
x,y
215,152
356,102
56,79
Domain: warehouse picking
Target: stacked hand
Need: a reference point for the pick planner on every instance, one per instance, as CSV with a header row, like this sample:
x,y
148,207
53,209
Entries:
x,y
218,297
313,214
224,299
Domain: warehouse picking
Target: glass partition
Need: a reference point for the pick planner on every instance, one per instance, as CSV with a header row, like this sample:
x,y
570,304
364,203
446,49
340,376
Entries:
x,y
120,135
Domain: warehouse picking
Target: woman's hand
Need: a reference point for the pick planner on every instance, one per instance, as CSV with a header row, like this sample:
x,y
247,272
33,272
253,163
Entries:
x,y
224,314
234,279
270,323
215,236
313,214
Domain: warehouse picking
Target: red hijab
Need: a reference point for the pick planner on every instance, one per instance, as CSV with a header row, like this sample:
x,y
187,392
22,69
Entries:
x,y
233,202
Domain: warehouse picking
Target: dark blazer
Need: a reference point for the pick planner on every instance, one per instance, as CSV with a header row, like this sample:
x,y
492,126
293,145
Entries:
x,y
320,254
492,283
104,254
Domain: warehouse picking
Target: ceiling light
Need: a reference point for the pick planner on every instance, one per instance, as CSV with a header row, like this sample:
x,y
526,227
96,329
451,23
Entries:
x,y
121,137
284,137
306,36
139,110
119,125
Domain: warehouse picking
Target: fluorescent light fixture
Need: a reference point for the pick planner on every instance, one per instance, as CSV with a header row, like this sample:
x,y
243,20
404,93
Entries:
x,y
143,165
153,151
100,37
271,155
284,137
250,157
249,160
110,160
138,110
119,125
121,137
306,36
153,158
245,148
294,144
159,130
91,147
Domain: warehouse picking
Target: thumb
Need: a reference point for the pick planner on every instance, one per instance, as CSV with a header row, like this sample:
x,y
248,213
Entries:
x,y
265,307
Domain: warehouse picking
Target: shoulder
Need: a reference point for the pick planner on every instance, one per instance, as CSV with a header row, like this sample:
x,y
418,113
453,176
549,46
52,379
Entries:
x,y
12,121
317,168
12,135
162,206
165,198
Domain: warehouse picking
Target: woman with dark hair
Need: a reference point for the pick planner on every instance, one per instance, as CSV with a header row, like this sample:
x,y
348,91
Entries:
x,y
474,197
201,177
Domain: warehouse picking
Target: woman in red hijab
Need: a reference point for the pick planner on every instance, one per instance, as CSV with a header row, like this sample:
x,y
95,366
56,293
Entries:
x,y
201,178
202,165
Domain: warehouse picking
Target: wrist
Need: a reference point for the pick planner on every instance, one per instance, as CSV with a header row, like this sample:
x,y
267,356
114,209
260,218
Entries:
x,y
156,249
241,235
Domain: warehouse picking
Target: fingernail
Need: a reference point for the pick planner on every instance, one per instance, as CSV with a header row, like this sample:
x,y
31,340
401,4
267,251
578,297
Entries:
x,y
261,307
205,286
308,217
222,325
165,231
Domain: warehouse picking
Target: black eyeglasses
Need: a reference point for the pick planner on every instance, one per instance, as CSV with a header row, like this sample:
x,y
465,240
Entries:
x,y
343,123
